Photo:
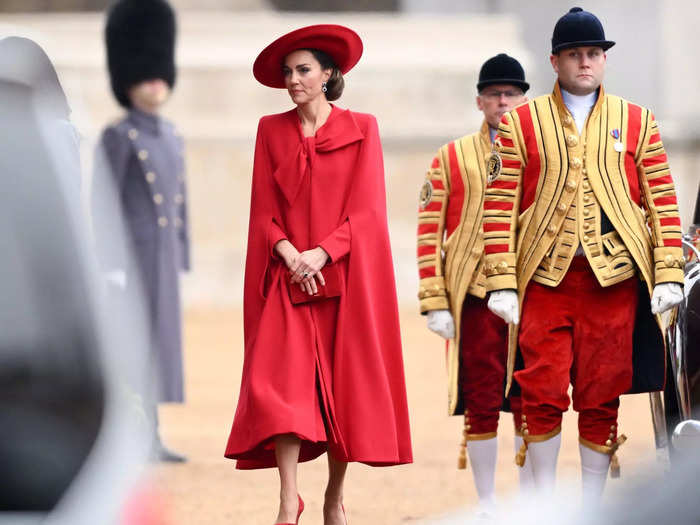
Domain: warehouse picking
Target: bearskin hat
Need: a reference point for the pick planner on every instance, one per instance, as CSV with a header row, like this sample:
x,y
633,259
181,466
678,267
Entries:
x,y
140,37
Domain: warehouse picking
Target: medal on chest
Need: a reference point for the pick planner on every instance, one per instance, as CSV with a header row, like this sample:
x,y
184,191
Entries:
x,y
618,146
494,165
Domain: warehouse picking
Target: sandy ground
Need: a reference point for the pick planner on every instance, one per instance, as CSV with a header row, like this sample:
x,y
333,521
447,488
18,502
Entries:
x,y
209,490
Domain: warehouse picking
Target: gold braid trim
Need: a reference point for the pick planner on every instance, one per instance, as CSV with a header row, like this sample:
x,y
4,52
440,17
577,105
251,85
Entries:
x,y
537,438
610,450
481,437
462,461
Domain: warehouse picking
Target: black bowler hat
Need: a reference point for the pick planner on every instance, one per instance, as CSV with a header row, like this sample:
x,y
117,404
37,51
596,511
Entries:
x,y
579,28
140,38
502,69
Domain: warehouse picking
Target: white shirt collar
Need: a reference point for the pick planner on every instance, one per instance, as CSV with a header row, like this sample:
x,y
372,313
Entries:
x,y
579,106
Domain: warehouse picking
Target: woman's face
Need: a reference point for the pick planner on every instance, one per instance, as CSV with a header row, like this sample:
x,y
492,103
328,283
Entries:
x,y
303,76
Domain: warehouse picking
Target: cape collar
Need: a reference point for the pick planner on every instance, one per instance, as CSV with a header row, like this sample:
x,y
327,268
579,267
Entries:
x,y
339,130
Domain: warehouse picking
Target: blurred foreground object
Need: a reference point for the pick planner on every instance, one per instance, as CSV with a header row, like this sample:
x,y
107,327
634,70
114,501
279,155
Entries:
x,y
71,439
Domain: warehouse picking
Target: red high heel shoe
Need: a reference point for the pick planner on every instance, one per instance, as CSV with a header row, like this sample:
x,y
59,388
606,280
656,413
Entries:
x,y
301,509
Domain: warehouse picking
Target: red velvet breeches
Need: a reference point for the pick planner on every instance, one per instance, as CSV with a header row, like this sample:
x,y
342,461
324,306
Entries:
x,y
484,351
578,333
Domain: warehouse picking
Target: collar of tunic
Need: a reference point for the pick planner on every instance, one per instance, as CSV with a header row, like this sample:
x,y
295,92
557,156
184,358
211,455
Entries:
x,y
147,122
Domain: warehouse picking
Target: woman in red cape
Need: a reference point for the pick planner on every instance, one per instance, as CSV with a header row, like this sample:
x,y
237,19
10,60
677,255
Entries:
x,y
324,375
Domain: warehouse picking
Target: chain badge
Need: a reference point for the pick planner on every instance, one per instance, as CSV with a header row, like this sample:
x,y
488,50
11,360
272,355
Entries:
x,y
426,194
494,165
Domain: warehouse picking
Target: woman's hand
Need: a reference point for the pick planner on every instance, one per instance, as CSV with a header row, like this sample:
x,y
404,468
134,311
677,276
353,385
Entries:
x,y
287,252
307,265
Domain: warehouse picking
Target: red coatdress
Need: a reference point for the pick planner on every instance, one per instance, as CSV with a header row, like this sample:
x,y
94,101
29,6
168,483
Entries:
x,y
331,371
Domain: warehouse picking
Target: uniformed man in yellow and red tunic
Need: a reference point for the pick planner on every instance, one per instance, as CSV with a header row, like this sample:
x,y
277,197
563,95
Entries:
x,y
450,249
581,228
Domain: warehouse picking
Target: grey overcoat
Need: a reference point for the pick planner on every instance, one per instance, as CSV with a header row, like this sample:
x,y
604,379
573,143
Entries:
x,y
144,155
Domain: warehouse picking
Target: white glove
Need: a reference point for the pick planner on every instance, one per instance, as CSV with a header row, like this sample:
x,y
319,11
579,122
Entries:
x,y
116,278
442,323
665,296
504,303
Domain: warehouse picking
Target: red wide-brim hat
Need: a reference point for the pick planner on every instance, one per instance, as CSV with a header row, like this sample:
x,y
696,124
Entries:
x,y
342,44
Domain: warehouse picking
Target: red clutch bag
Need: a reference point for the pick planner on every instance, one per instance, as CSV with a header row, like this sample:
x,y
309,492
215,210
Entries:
x,y
333,287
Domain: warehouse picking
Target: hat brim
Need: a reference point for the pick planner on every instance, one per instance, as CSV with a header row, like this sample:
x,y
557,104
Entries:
x,y
342,44
510,81
604,44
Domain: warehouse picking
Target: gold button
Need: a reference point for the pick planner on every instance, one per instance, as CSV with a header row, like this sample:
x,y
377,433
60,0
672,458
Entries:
x,y
526,432
133,133
587,225
466,419
524,417
681,262
552,229
571,141
468,428
586,197
612,427
162,222
669,261
586,211
490,269
524,425
571,186
179,199
586,185
575,163
611,435
150,177
608,442
562,207
584,171
158,198
586,238
567,120
502,267
143,154
436,287
466,411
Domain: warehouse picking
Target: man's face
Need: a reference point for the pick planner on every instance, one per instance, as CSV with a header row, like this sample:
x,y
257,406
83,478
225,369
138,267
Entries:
x,y
498,99
580,69
149,95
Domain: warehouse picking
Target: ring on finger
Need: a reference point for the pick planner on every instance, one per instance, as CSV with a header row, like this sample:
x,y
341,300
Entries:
x,y
305,275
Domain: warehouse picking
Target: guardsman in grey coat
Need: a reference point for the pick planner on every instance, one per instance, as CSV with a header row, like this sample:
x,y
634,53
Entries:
x,y
144,154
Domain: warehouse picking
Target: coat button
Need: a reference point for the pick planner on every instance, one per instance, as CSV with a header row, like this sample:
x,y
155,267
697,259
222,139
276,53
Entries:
x,y
612,427
567,120
571,186
150,177
681,261
158,198
586,198
502,267
133,133
587,225
526,432
575,163
608,442
162,222
179,199
584,170
571,141
669,261
561,208
586,211
524,417
552,229
143,154
586,185
524,425
586,238
468,428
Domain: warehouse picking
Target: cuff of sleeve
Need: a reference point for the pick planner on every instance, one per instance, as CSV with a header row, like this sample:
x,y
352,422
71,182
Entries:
x,y
275,237
433,294
669,264
331,250
499,269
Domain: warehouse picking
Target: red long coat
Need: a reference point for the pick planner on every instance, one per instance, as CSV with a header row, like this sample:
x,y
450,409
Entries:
x,y
330,372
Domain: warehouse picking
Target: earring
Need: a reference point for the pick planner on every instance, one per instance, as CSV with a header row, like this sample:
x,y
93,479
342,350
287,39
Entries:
x,y
323,87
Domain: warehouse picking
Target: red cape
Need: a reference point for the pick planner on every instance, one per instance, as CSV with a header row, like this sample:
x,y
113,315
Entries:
x,y
325,190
